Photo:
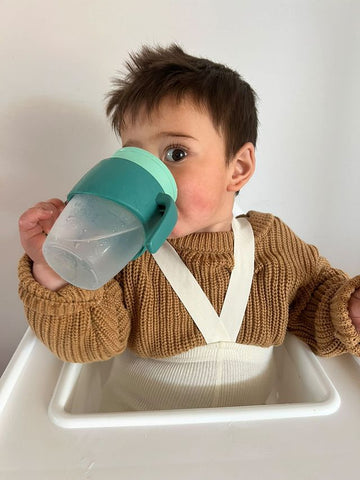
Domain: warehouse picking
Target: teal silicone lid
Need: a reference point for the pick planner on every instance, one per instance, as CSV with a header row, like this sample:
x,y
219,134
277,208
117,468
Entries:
x,y
153,165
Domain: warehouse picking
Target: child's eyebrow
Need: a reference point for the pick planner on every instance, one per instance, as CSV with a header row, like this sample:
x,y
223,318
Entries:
x,y
174,134
135,143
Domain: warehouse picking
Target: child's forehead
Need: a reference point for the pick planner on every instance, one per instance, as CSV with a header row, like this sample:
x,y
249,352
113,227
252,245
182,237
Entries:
x,y
165,107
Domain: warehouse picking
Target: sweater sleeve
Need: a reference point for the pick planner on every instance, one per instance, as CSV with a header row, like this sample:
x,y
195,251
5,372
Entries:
x,y
319,313
76,325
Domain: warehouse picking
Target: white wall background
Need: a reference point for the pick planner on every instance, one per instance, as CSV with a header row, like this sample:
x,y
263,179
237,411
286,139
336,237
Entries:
x,y
301,56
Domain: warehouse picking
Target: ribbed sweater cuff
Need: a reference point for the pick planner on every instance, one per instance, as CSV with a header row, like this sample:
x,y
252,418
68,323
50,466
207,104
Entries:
x,y
344,329
62,302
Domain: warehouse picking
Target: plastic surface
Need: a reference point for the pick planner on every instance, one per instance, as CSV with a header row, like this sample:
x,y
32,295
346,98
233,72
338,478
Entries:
x,y
160,229
153,165
33,447
121,207
15,367
92,240
139,181
302,389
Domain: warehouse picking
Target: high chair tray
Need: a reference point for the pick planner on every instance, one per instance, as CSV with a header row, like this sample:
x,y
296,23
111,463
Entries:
x,y
224,445
301,389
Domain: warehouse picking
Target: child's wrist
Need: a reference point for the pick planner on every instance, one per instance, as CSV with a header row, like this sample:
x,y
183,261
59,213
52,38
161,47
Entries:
x,y
47,277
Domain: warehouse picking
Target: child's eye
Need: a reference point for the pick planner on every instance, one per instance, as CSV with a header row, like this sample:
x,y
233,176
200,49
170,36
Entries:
x,y
175,154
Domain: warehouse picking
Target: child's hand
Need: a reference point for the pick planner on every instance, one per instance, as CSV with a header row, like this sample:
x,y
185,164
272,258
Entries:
x,y
34,225
354,309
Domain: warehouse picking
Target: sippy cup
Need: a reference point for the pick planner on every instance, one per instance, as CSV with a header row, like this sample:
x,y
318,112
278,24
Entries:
x,y
123,206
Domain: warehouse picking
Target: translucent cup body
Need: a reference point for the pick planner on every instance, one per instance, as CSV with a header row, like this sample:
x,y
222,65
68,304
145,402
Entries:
x,y
92,240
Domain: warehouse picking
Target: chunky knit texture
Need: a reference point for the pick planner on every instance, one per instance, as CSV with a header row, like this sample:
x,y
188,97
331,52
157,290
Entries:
x,y
293,289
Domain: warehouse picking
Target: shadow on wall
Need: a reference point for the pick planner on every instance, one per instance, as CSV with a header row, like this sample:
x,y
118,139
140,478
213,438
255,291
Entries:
x,y
46,145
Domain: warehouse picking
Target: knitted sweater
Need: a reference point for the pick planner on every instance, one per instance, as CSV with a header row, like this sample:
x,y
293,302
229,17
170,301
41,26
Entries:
x,y
293,289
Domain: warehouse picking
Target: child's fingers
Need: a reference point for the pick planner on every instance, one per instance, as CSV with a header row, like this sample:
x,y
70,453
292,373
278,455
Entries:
x,y
31,218
41,217
31,231
58,204
55,206
354,309
35,223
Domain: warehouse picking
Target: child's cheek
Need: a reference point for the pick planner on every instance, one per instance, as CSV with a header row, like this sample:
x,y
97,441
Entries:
x,y
195,198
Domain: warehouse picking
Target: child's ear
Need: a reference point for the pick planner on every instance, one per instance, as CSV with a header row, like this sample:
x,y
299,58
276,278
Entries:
x,y
242,167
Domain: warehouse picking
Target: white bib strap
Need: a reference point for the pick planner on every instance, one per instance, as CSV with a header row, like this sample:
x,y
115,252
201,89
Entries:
x,y
214,328
191,295
238,292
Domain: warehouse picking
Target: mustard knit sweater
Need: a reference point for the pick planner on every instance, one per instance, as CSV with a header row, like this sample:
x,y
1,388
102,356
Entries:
x,y
293,289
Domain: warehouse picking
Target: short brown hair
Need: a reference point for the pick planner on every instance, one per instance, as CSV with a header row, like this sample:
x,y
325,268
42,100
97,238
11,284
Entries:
x,y
155,73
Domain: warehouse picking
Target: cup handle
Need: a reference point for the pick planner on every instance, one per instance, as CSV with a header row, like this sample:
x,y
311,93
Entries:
x,y
164,224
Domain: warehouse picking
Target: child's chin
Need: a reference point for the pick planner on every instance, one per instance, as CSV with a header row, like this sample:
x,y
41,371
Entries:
x,y
182,229
177,232
175,235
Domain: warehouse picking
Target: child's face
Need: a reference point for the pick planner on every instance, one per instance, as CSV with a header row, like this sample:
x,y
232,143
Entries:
x,y
184,138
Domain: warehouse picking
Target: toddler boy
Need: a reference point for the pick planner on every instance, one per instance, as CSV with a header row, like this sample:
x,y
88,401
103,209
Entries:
x,y
169,340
